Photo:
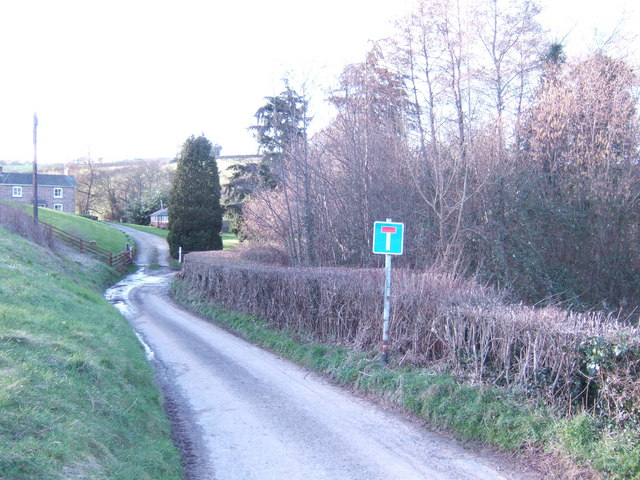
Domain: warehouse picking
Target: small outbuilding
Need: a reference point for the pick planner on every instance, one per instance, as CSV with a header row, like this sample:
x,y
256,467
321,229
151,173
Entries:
x,y
160,218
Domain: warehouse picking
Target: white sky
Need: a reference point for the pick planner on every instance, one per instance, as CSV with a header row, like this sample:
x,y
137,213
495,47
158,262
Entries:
x,y
134,78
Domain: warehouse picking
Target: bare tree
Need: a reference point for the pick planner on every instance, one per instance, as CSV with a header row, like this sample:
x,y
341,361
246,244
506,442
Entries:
x,y
503,160
365,144
434,48
511,38
584,119
87,175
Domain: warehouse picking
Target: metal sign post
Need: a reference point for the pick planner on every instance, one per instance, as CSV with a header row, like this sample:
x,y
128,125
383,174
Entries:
x,y
388,239
387,308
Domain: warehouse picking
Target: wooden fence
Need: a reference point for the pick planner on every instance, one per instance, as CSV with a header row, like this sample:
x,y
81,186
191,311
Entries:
x,y
119,261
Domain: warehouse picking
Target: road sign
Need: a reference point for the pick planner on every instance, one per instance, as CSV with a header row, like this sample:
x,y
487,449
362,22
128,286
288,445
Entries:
x,y
388,238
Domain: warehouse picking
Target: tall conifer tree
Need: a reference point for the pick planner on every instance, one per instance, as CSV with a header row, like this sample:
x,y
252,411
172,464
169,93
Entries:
x,y
195,214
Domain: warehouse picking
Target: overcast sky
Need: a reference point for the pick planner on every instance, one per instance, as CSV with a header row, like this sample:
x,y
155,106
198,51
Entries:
x,y
134,78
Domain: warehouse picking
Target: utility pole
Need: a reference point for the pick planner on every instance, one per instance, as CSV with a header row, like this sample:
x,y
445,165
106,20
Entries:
x,y
35,168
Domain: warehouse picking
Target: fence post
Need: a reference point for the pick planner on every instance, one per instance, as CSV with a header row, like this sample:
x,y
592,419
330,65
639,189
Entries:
x,y
110,259
179,254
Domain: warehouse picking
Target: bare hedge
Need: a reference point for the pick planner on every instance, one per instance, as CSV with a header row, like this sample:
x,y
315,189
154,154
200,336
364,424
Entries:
x,y
19,222
579,361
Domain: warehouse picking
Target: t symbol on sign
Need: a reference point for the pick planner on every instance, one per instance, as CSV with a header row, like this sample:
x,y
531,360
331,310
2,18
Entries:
x,y
388,231
388,238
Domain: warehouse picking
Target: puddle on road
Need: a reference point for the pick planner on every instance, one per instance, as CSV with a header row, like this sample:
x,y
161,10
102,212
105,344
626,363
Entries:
x,y
118,296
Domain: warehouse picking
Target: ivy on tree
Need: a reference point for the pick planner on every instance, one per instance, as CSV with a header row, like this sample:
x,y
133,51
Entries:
x,y
195,214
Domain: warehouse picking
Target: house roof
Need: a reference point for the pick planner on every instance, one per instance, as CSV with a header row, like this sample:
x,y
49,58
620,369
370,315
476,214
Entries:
x,y
161,212
44,179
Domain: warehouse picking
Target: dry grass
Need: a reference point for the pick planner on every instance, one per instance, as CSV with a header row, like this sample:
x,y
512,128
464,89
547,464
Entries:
x,y
19,222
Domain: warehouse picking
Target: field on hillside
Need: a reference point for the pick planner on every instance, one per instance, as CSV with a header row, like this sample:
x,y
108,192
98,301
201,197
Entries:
x,y
77,395
18,168
225,162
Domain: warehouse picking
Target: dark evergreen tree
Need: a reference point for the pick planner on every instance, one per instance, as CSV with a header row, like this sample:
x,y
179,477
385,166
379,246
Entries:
x,y
195,214
281,132
244,179
281,126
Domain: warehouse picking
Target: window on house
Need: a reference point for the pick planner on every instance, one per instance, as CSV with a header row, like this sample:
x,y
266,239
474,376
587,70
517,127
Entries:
x,y
17,191
57,193
57,207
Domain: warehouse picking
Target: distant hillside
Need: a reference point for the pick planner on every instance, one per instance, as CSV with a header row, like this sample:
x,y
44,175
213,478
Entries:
x,y
16,167
224,163
127,190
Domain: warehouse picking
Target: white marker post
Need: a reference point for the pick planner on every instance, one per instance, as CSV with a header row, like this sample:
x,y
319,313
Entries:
x,y
388,239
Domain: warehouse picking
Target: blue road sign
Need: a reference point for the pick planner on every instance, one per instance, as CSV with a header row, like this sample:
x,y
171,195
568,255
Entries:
x,y
388,238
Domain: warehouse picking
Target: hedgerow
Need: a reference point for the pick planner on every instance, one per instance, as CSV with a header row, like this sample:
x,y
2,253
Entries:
x,y
577,361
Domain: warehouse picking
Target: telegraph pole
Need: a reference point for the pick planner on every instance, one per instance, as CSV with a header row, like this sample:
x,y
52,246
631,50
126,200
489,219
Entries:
x,y
35,168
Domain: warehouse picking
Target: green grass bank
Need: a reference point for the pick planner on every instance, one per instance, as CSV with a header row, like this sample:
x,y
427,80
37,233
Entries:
x,y
90,230
575,447
77,396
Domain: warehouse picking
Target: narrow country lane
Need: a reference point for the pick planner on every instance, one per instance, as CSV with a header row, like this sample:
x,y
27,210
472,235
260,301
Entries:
x,y
242,413
150,249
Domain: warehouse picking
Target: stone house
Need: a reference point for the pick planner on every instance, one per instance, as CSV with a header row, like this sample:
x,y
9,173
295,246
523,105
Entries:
x,y
57,192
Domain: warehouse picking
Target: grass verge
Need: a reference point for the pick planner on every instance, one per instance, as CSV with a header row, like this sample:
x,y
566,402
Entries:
x,y
498,417
77,396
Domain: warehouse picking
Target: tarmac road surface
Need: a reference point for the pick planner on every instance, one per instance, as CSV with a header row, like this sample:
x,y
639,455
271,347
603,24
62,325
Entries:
x,y
242,413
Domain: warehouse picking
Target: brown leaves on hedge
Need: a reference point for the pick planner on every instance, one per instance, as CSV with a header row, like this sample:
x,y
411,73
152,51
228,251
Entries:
x,y
578,361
